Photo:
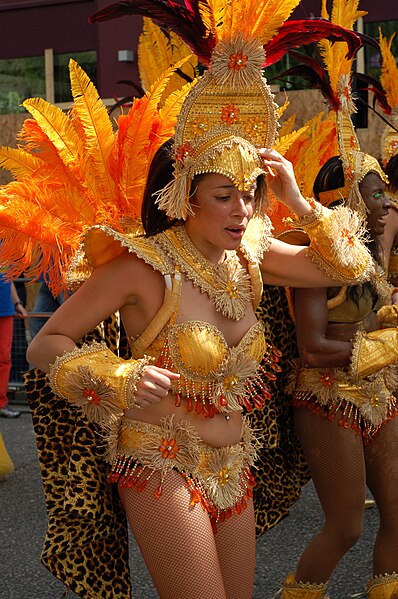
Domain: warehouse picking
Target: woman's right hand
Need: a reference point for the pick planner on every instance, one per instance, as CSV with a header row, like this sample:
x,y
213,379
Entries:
x,y
153,385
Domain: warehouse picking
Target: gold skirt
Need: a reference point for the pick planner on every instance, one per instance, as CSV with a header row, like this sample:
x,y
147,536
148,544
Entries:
x,y
219,478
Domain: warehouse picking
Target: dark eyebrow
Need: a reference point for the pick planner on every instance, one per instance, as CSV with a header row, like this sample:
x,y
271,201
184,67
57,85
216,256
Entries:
x,y
223,186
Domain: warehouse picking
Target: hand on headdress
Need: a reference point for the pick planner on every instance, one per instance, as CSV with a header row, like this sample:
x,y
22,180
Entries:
x,y
280,178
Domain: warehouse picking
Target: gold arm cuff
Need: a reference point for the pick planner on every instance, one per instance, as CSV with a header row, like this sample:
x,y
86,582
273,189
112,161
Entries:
x,y
95,379
373,351
336,243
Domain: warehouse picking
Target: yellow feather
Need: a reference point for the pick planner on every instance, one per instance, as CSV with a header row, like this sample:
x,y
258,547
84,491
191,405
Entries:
x,y
157,52
283,143
287,126
213,15
344,13
172,105
97,127
143,114
18,162
262,20
316,146
58,128
389,71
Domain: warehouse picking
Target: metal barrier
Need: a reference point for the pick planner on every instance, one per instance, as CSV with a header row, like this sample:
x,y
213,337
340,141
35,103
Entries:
x,y
21,339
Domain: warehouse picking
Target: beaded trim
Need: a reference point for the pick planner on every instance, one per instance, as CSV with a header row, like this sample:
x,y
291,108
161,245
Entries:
x,y
363,406
308,219
383,579
227,284
239,382
100,398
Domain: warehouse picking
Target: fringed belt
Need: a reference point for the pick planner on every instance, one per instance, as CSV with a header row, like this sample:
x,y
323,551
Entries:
x,y
363,405
218,478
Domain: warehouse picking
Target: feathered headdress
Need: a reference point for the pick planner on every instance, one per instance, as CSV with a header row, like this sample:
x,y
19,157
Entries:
x,y
331,72
356,164
76,171
385,92
230,112
389,83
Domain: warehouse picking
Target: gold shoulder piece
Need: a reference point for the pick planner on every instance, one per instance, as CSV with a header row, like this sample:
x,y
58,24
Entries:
x,y
102,244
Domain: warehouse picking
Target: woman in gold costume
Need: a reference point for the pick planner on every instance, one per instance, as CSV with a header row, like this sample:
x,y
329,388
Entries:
x,y
186,296
345,404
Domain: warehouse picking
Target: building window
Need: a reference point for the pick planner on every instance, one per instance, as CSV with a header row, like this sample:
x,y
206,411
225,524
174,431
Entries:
x,y
86,60
22,78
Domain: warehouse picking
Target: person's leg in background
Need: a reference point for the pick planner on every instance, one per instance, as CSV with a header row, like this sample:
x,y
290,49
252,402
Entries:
x,y
6,332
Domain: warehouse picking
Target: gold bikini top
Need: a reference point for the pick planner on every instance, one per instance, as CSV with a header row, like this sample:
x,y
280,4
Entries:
x,y
213,376
348,311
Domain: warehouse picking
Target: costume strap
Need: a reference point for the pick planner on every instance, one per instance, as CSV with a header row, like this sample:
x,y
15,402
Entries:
x,y
166,314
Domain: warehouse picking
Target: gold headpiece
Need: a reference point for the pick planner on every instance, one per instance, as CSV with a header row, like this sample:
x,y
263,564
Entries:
x,y
356,164
230,113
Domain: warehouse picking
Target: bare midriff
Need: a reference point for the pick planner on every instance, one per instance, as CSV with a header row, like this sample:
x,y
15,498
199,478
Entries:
x,y
221,430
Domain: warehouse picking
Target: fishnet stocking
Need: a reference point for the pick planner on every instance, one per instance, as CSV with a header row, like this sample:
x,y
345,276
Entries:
x,y
184,557
336,460
340,467
381,458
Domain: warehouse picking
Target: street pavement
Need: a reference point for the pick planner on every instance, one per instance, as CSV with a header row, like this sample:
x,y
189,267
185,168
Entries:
x,y
23,523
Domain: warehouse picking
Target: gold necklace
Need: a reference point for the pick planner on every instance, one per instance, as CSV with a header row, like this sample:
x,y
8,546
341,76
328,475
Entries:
x,y
227,284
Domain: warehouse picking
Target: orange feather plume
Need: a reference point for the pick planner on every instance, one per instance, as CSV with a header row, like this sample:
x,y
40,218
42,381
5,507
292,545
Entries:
x,y
75,171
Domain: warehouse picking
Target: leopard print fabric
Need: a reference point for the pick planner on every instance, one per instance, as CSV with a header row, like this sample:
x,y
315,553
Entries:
x,y
86,545
281,467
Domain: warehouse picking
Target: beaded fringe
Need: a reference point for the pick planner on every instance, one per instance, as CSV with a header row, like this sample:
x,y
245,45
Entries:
x,y
199,399
130,474
350,415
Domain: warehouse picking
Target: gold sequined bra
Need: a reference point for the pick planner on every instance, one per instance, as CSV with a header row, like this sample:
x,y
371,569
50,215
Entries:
x,y
213,376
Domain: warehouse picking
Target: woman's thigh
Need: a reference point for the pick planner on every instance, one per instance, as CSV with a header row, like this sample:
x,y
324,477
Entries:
x,y
176,539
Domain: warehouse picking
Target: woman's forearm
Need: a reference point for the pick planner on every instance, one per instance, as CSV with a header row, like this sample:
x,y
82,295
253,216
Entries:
x,y
44,349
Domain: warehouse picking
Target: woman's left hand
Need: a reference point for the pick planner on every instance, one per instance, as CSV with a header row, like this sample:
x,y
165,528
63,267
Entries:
x,y
282,181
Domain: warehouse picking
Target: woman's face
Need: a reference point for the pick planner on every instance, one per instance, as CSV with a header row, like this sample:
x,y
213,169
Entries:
x,y
373,189
221,215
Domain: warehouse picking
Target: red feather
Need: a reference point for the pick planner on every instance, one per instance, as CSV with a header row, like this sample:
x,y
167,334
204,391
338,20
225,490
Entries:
x,y
315,73
376,88
294,34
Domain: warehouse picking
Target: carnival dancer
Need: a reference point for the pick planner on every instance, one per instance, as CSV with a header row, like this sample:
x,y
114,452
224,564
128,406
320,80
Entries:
x,y
343,391
186,284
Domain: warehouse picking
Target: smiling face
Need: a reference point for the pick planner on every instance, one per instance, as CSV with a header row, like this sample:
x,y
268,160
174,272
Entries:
x,y
221,215
373,189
